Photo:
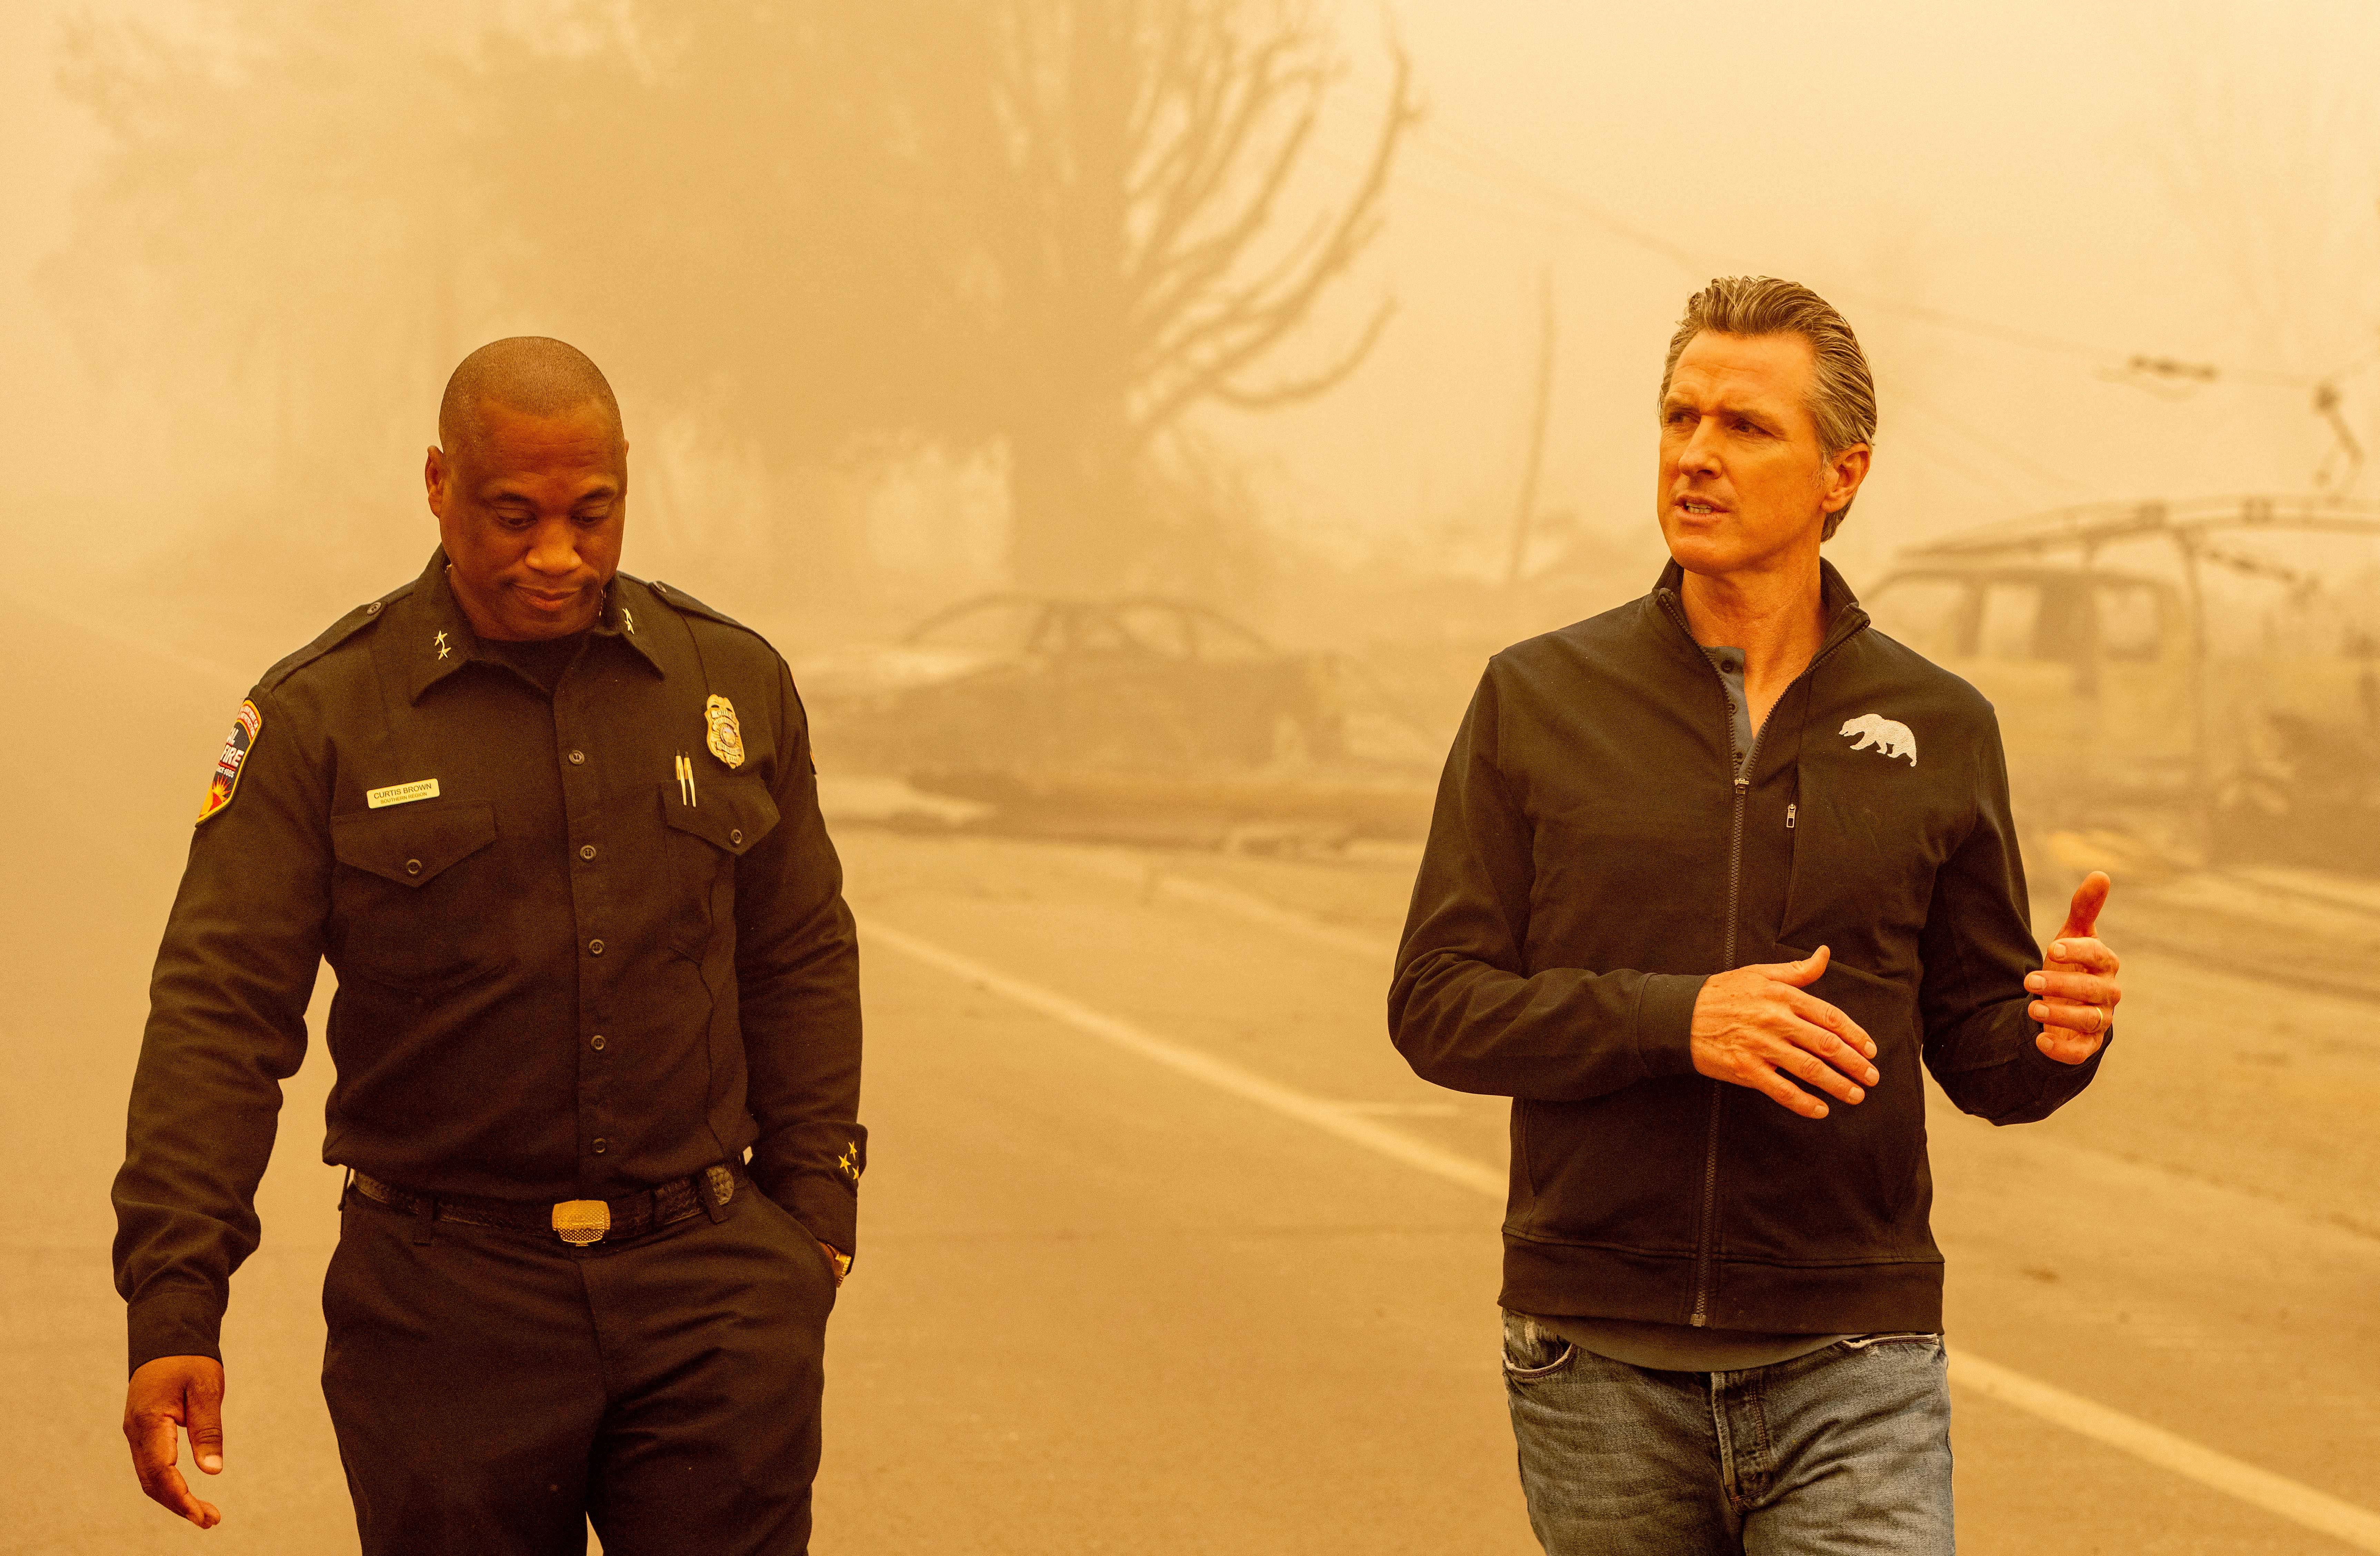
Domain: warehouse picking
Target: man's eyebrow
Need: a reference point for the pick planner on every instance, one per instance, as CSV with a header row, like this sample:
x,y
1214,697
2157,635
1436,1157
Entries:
x,y
503,490
1745,411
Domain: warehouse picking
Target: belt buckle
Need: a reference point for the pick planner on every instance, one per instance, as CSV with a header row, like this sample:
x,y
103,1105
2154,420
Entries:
x,y
581,1221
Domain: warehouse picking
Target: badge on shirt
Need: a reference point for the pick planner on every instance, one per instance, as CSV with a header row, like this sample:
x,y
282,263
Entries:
x,y
724,738
220,788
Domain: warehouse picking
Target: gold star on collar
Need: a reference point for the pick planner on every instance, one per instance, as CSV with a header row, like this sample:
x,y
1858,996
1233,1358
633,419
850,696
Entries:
x,y
441,641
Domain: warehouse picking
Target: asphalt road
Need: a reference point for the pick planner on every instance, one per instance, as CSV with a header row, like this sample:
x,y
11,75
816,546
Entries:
x,y
1131,1279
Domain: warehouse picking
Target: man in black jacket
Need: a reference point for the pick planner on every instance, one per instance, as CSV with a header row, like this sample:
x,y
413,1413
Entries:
x,y
1709,875
557,832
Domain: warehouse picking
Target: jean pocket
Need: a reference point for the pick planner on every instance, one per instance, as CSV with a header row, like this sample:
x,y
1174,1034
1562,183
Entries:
x,y
1533,1352
1911,1337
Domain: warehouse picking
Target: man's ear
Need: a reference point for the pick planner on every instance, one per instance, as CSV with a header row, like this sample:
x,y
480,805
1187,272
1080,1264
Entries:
x,y
1845,472
433,479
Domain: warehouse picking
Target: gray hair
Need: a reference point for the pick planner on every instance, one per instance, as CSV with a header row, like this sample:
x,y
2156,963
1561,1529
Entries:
x,y
1842,395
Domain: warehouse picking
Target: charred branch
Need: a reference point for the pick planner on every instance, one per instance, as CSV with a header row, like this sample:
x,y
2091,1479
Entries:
x,y
1202,359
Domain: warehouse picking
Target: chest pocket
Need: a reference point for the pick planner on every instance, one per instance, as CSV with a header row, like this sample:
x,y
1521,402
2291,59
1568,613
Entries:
x,y
705,839
1864,860
403,910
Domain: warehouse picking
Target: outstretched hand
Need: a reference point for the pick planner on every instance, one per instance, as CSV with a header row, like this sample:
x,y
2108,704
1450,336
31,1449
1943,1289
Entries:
x,y
1756,1026
2075,993
167,1396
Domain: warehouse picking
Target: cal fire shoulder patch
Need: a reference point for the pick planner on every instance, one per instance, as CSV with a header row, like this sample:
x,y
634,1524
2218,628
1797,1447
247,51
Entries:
x,y
225,782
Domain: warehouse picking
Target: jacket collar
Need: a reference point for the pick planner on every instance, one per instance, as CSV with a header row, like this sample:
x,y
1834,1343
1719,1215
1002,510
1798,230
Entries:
x,y
438,639
1843,613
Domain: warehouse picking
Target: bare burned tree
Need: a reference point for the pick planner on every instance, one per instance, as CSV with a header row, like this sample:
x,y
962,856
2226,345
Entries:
x,y
1129,164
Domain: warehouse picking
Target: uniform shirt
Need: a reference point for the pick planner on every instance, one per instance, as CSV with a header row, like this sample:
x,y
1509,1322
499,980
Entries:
x,y
586,940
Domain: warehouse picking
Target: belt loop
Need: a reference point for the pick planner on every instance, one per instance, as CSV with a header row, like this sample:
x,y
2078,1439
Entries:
x,y
425,1211
706,1189
346,1186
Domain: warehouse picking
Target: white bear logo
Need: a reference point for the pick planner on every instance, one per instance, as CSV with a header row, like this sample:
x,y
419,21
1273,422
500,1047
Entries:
x,y
1887,736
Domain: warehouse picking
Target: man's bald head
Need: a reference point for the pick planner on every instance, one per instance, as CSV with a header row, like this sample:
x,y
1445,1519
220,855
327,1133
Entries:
x,y
532,374
531,488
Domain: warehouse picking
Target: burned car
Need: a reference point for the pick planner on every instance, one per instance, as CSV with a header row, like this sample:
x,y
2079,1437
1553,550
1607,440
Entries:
x,y
1130,715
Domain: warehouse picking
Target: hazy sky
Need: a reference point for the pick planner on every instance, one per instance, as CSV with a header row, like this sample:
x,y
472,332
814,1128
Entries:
x,y
2018,163
2198,181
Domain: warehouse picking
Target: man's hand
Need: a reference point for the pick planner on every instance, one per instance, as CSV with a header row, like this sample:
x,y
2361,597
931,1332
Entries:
x,y
835,1257
1757,1025
164,1394
2075,993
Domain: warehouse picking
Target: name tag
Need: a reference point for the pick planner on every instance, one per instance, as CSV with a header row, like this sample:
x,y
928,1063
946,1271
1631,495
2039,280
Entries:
x,y
402,794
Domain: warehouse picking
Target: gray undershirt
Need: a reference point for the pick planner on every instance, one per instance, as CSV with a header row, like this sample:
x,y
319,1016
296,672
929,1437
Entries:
x,y
1729,662
1685,1347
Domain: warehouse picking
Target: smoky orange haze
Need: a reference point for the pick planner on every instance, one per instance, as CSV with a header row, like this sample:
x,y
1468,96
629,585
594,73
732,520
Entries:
x,y
1138,459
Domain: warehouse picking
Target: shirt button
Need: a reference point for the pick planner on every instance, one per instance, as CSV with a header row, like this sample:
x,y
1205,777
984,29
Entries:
x,y
373,609
596,1042
587,851
413,867
736,835
600,1148
594,948
577,757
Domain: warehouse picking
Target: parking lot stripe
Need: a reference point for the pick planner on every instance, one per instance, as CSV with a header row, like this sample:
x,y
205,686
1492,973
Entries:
x,y
2299,1503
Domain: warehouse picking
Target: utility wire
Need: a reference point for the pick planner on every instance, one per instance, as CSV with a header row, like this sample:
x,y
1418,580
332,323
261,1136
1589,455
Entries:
x,y
1927,408
1485,160
1470,200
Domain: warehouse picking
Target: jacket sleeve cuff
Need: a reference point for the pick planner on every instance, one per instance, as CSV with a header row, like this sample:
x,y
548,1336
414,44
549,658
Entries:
x,y
827,1208
1665,1023
178,1323
2043,1064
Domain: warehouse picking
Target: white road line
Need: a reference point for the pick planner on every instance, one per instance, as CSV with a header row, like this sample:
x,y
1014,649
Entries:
x,y
2273,1493
1221,1074
1247,906
1939,1113
2278,1494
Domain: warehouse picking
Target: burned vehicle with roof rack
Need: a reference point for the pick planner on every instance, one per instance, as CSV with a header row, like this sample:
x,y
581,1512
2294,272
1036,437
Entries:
x,y
2203,674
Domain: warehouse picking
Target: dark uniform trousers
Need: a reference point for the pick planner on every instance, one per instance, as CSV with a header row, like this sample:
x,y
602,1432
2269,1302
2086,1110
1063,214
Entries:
x,y
590,941
495,1390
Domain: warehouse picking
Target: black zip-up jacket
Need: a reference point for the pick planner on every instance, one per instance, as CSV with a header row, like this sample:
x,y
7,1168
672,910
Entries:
x,y
1595,857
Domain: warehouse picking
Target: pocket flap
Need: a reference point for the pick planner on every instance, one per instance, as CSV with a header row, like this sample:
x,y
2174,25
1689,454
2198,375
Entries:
x,y
411,845
731,817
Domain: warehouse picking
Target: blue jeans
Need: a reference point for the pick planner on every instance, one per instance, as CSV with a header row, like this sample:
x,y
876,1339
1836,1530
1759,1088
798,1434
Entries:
x,y
1844,1449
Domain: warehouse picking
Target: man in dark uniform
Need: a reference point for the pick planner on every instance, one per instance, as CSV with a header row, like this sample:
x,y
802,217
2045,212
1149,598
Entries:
x,y
556,831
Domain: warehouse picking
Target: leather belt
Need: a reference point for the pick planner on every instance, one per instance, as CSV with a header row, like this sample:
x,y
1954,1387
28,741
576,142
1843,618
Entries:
x,y
577,1222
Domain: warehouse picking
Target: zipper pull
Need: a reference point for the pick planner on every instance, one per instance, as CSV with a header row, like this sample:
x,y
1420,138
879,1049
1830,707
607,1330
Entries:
x,y
1742,785
1789,815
